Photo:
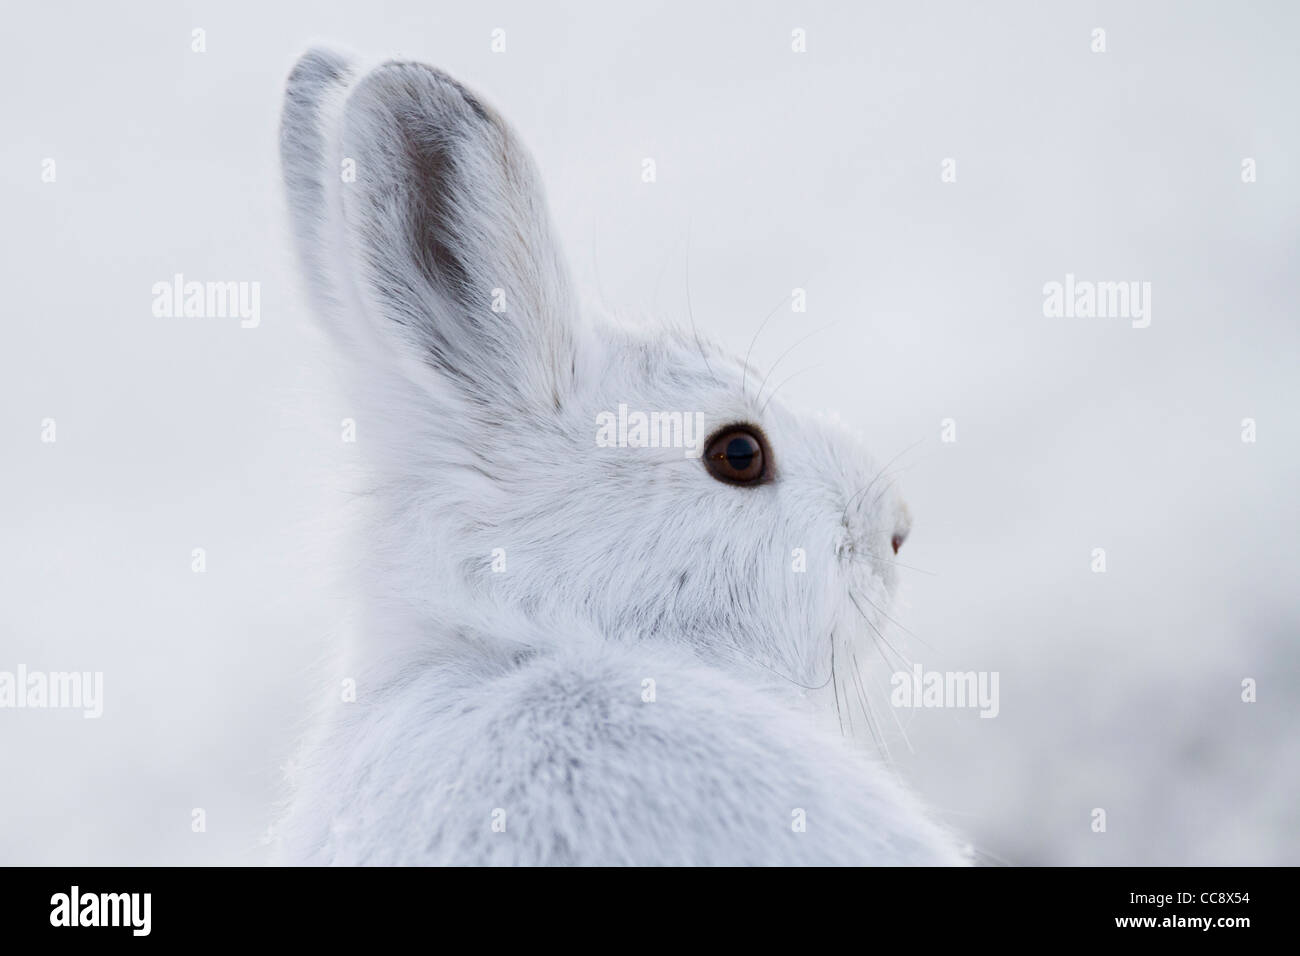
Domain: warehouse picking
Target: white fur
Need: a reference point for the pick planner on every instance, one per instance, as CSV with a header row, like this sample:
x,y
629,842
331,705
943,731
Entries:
x,y
522,691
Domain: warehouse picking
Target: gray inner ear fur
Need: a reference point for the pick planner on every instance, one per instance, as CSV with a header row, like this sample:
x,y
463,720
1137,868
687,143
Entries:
x,y
447,218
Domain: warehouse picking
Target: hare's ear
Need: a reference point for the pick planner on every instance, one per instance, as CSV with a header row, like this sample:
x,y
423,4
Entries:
x,y
313,174
443,232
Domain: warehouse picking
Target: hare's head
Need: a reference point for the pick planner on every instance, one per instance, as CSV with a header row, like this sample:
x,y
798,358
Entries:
x,y
548,462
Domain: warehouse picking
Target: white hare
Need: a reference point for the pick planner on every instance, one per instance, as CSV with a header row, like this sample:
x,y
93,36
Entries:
x,y
572,651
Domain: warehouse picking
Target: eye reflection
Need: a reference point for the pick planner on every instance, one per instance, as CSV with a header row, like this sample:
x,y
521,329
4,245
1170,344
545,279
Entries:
x,y
735,455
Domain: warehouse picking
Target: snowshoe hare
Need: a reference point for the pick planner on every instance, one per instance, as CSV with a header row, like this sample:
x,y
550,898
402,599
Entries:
x,y
574,648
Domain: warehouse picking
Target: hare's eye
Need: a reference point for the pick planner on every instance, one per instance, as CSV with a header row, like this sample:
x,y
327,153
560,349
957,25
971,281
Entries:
x,y
737,455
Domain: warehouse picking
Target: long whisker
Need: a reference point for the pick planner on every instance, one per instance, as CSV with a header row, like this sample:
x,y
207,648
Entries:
x,y
782,385
870,712
863,491
990,855
872,624
893,480
900,564
835,686
659,279
752,342
772,367
894,713
895,623
690,309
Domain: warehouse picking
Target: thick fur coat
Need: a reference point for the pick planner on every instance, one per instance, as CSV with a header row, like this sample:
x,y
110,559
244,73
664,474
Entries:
x,y
568,653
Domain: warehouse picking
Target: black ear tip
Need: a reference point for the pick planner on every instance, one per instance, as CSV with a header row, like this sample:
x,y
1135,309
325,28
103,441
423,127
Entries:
x,y
433,90
317,72
317,67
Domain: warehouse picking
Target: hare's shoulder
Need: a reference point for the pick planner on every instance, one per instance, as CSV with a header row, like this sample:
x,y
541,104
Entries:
x,y
615,754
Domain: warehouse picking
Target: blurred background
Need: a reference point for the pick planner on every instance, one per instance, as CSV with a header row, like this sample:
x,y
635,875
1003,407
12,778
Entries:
x,y
775,170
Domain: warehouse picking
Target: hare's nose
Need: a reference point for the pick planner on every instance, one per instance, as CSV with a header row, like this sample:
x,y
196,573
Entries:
x,y
902,527
902,524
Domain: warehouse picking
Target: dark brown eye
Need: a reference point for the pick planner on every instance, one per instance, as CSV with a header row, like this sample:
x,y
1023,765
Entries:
x,y
737,455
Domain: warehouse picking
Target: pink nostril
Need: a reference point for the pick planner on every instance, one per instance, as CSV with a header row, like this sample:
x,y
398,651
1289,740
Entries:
x,y
897,541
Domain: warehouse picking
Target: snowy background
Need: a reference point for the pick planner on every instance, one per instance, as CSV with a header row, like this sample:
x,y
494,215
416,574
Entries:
x,y
776,170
